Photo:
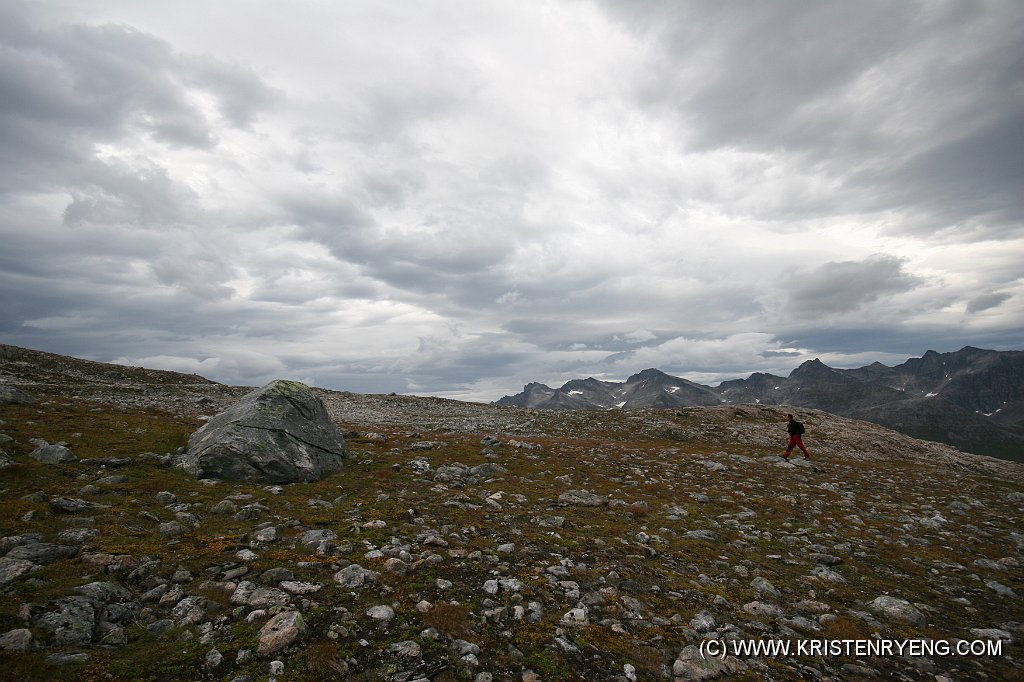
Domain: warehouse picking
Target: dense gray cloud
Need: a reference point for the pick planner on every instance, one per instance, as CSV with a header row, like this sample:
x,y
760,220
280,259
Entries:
x,y
915,106
835,288
458,199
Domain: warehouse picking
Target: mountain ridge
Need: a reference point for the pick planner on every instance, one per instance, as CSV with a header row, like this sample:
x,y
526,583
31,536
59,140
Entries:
x,y
972,398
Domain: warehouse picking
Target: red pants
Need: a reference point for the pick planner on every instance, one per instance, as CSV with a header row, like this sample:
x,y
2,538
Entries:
x,y
794,441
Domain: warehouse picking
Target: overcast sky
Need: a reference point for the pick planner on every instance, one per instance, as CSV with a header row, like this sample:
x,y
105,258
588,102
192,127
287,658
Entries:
x,y
457,198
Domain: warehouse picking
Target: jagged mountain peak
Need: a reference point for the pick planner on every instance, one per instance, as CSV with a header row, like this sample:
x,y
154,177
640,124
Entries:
x,y
973,398
534,385
816,363
649,373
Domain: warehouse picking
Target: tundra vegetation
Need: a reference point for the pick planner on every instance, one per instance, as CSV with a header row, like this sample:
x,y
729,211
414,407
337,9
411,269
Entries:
x,y
477,542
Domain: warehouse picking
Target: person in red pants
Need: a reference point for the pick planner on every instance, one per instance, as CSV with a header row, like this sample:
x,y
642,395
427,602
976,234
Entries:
x,y
796,430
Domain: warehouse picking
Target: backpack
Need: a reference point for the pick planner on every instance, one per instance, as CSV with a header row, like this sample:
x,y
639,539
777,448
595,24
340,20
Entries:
x,y
800,428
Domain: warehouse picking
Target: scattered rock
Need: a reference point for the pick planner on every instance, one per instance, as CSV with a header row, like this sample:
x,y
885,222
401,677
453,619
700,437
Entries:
x,y
355,576
279,632
488,470
19,640
382,613
74,505
690,665
406,649
1001,589
582,498
762,610
172,529
52,454
42,553
899,610
72,622
764,587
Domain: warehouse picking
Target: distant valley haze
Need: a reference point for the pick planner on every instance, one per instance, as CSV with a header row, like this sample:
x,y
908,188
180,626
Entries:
x,y
457,199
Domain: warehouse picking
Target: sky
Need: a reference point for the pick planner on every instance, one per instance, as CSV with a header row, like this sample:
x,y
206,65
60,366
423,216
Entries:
x,y
457,198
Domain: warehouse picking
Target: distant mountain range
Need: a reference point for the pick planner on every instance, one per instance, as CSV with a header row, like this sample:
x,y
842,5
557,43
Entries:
x,y
972,399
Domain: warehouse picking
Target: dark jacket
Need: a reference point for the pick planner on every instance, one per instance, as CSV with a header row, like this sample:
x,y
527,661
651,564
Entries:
x,y
794,427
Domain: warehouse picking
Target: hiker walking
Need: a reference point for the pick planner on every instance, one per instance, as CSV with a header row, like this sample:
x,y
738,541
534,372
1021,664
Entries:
x,y
796,429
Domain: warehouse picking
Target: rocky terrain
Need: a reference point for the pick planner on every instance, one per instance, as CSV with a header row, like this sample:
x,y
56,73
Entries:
x,y
972,399
476,542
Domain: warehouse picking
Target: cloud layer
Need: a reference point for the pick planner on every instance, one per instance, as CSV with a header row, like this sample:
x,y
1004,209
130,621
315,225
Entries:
x,y
456,199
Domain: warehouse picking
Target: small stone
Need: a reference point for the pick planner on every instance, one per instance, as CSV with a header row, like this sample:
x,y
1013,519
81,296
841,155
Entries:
x,y
691,665
318,540
71,623
52,454
461,648
826,573
577,616
10,569
994,634
273,576
61,659
511,584
699,534
382,613
160,627
213,658
296,587
43,553
1000,589
279,632
224,507
406,649
898,609
355,576
171,529
582,498
703,622
764,586
19,640
74,505
762,610
165,497
488,470
268,534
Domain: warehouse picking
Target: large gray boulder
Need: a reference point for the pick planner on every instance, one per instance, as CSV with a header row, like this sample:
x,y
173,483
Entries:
x,y
280,433
9,395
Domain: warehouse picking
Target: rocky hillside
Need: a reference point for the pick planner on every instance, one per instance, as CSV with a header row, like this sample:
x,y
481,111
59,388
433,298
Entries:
x,y
972,399
476,542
